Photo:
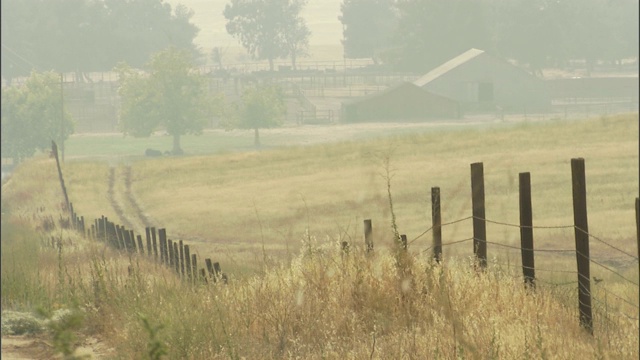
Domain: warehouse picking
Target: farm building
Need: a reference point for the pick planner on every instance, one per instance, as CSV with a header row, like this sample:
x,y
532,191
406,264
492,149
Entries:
x,y
404,101
480,81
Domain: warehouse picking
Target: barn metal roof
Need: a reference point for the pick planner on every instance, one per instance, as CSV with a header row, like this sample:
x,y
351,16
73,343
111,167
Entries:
x,y
448,66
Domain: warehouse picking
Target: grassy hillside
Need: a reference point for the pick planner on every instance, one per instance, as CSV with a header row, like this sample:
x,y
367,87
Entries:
x,y
274,218
235,204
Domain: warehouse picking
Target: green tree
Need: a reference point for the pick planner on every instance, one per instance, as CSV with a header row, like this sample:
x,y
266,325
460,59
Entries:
x,y
89,35
268,29
32,116
368,26
430,32
170,96
260,107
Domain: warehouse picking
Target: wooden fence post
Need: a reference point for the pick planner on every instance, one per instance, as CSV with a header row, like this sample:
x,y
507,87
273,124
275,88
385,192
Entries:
x,y
368,235
180,247
436,223
170,253
638,235
187,261
162,234
147,233
176,257
479,222
140,245
133,240
155,245
526,230
120,237
582,242
128,242
403,242
209,264
194,265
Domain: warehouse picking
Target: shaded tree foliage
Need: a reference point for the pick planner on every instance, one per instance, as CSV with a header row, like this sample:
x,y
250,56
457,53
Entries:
x,y
89,35
261,107
539,33
368,27
268,29
431,32
170,96
32,116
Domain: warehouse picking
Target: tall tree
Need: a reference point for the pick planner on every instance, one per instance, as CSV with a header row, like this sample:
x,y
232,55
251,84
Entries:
x,y
261,107
32,116
431,32
368,27
89,35
171,96
268,29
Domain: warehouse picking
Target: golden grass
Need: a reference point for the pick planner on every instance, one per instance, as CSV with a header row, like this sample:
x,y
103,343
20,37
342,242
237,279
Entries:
x,y
231,204
304,298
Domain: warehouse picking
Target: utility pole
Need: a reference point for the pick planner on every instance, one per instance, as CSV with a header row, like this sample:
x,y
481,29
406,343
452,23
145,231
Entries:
x,y
62,116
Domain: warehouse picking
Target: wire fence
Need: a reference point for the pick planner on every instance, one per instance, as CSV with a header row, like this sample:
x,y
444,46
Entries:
x,y
608,307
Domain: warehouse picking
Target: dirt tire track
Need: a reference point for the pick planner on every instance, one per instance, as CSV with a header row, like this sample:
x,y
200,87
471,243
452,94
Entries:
x,y
114,203
139,213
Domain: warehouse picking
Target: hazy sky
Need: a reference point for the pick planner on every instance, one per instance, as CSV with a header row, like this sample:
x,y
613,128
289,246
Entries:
x,y
321,16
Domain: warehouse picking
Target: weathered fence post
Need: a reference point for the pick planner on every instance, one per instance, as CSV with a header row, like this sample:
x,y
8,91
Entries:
x,y
194,265
638,235
187,261
526,230
170,253
209,264
133,240
176,255
581,229
162,234
436,223
368,235
479,220
147,233
403,242
140,245
182,258
120,237
155,244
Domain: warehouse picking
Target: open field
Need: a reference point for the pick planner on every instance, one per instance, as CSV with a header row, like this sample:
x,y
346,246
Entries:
x,y
273,219
237,202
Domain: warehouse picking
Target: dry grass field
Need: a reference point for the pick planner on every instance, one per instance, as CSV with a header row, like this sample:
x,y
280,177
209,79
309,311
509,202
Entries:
x,y
274,219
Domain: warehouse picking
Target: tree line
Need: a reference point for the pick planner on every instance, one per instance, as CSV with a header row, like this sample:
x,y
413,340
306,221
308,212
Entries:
x,y
169,95
405,35
417,35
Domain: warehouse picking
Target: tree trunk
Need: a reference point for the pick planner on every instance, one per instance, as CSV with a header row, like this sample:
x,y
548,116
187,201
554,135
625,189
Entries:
x,y
256,138
271,64
293,60
177,150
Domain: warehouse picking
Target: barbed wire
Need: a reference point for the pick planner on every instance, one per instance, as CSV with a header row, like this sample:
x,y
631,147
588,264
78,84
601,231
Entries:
x,y
527,249
441,225
525,227
449,243
607,268
606,243
623,299
555,284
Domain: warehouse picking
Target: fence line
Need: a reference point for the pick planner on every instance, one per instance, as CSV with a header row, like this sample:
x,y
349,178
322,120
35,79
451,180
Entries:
x,y
179,257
